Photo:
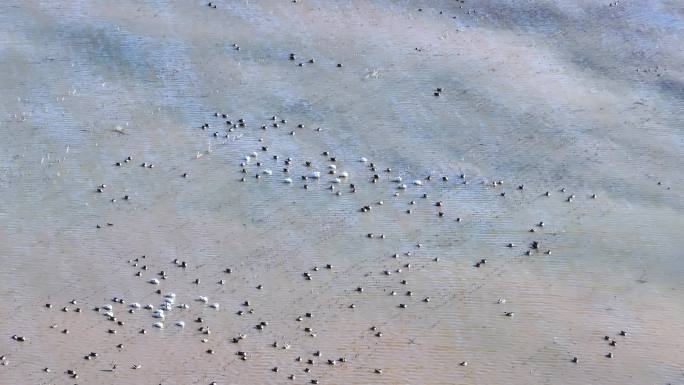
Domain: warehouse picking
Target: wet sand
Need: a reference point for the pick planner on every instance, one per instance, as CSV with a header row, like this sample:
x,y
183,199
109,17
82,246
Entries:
x,y
580,100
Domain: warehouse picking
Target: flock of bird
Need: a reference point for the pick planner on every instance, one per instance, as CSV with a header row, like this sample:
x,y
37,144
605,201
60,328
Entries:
x,y
325,171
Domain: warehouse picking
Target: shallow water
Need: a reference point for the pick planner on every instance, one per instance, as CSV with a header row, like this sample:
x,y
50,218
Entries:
x,y
545,95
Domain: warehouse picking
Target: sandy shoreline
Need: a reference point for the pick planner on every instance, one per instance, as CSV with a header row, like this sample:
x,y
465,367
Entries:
x,y
580,100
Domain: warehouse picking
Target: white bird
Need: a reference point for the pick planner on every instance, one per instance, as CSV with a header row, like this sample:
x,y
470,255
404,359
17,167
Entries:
x,y
344,174
397,179
315,174
184,306
254,154
154,281
203,299
165,306
287,180
149,306
417,182
159,314
107,307
267,172
135,305
402,187
363,160
214,306
332,167
180,324
158,325
337,180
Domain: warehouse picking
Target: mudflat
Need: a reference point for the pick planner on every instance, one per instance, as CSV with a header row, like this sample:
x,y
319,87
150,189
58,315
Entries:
x,y
341,192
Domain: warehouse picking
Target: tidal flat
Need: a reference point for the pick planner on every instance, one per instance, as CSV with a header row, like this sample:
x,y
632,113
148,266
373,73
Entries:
x,y
341,192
